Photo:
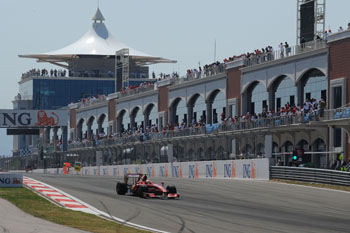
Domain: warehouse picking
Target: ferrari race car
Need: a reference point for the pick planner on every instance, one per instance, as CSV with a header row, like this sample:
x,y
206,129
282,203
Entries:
x,y
138,185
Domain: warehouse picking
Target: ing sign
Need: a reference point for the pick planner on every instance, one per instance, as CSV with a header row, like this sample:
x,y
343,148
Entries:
x,y
33,118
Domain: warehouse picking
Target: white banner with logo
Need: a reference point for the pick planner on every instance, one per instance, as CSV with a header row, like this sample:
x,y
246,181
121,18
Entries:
x,y
11,180
255,169
32,118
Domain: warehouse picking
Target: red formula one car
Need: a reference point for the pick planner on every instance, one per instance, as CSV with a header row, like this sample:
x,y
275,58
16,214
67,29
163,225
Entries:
x,y
138,185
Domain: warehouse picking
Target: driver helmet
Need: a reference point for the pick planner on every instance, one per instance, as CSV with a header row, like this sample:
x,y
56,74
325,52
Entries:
x,y
144,178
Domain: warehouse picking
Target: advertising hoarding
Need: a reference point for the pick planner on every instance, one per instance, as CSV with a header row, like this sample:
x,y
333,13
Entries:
x,y
11,180
33,118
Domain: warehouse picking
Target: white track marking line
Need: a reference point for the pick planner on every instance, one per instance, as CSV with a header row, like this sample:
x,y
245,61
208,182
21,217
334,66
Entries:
x,y
311,187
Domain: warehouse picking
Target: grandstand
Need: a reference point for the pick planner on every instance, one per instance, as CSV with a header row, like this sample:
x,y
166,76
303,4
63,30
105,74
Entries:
x,y
268,103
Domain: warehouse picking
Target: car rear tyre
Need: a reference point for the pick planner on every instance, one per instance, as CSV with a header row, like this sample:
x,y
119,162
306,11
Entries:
x,y
121,188
141,190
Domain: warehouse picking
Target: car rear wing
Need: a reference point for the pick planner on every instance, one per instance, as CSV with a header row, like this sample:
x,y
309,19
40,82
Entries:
x,y
133,175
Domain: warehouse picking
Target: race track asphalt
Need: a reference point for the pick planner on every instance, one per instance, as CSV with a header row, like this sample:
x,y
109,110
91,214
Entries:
x,y
217,205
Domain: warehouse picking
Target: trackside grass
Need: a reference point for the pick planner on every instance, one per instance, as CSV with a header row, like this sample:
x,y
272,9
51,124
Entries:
x,y
337,187
37,206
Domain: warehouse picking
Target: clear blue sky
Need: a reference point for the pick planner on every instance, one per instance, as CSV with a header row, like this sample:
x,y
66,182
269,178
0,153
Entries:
x,y
184,30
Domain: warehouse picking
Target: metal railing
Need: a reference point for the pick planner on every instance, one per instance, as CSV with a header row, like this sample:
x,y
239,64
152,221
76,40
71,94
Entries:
x,y
337,114
142,89
209,72
286,52
102,98
269,122
194,75
203,130
89,101
70,74
312,175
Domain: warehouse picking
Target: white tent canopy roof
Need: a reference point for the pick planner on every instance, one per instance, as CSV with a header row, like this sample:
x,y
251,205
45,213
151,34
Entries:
x,y
97,41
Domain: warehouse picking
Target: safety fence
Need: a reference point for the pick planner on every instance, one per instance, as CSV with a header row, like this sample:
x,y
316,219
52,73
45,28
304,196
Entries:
x,y
321,176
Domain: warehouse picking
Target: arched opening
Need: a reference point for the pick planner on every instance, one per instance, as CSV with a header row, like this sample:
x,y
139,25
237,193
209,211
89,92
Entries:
x,y
319,159
255,98
180,154
220,153
136,118
200,154
276,154
123,121
80,129
303,144
150,115
275,147
288,147
218,100
248,151
283,91
260,150
196,109
91,127
209,155
312,85
102,124
178,111
190,155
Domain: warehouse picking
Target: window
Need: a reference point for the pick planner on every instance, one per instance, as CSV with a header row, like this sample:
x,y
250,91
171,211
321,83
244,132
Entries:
x,y
50,94
215,116
252,107
259,94
278,103
308,96
284,91
337,97
316,83
292,100
264,105
337,137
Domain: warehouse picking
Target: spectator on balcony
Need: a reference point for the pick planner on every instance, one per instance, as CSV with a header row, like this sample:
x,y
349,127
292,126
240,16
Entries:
x,y
302,43
325,36
318,38
314,103
288,49
281,47
340,29
322,106
348,26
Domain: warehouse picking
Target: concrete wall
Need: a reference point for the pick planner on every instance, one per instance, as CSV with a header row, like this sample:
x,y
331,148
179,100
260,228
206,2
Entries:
x,y
293,69
143,102
254,169
96,112
204,88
